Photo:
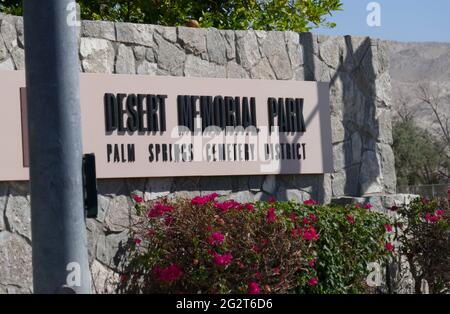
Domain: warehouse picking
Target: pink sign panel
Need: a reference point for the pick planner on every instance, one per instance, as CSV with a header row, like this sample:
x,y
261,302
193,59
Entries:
x,y
154,126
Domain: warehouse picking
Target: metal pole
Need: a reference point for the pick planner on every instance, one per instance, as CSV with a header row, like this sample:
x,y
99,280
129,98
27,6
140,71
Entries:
x,y
59,245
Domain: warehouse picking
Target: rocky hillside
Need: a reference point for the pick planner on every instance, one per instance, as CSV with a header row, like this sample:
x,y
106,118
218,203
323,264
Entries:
x,y
420,63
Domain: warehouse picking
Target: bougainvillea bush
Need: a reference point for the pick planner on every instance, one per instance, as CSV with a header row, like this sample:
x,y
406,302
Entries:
x,y
423,235
212,245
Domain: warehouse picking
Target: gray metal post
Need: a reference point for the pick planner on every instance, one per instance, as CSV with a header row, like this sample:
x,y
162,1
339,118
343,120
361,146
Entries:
x,y
59,245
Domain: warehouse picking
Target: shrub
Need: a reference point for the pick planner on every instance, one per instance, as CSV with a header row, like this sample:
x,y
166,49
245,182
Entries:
x,y
351,237
203,245
423,234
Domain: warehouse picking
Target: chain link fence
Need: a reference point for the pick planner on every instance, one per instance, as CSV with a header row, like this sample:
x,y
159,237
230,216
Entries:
x,y
429,190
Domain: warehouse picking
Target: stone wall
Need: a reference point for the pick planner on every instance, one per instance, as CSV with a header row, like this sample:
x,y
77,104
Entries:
x,y
356,67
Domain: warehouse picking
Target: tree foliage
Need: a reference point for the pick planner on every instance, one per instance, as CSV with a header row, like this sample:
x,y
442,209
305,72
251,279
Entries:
x,y
419,156
295,15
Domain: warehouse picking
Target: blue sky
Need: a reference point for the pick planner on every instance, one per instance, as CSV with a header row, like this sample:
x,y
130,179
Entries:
x,y
403,20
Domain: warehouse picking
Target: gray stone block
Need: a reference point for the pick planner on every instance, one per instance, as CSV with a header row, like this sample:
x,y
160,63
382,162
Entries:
x,y
193,40
4,54
196,67
98,29
294,49
20,32
274,48
220,185
138,34
15,262
388,168
97,55
18,215
148,68
270,184
235,70
18,56
230,44
216,46
139,52
107,249
331,51
118,213
247,47
8,31
262,70
169,57
3,202
125,63
168,33
370,178
104,280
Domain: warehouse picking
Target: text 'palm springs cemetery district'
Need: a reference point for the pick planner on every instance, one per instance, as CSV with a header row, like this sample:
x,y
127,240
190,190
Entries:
x,y
209,128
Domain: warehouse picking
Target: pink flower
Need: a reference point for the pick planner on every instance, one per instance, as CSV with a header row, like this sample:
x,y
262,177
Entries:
x,y
394,208
428,217
137,198
293,217
216,238
358,206
201,200
271,215
249,207
389,247
313,281
253,288
151,233
272,199
168,221
227,205
435,218
351,219
212,196
264,242
222,260
276,271
313,217
256,248
368,206
312,262
123,278
310,202
137,241
310,234
158,210
258,275
440,212
170,273
305,221
388,227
